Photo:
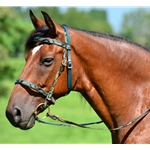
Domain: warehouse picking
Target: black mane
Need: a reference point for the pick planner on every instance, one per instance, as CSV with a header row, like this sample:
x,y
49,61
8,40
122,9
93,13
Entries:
x,y
42,31
112,37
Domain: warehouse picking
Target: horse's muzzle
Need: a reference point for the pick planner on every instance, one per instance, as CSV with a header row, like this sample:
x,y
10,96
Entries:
x,y
16,118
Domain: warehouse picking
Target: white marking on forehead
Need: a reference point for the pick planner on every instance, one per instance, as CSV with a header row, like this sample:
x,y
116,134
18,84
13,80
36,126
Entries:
x,y
35,49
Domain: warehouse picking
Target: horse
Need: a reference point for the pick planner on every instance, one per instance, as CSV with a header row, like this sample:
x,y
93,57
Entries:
x,y
111,72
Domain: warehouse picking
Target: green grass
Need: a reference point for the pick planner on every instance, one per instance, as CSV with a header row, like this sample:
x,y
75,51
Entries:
x,y
72,107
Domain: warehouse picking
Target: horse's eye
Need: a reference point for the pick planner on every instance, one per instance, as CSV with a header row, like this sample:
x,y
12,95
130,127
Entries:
x,y
47,61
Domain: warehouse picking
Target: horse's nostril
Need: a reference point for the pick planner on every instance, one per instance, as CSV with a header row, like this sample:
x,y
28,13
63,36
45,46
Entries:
x,y
17,115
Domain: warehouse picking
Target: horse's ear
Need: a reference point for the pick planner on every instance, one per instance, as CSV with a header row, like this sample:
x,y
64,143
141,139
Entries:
x,y
36,21
53,27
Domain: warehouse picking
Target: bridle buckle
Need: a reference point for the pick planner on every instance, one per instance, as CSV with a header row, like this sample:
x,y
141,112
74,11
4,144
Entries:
x,y
49,99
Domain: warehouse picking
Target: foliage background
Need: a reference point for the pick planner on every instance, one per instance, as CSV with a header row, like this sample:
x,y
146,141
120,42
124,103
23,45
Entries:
x,y
15,26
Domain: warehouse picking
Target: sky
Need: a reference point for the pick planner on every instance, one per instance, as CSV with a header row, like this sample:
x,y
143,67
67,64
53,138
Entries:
x,y
115,15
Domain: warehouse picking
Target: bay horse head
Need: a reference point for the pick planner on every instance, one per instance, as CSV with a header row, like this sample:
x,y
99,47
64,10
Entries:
x,y
48,57
111,73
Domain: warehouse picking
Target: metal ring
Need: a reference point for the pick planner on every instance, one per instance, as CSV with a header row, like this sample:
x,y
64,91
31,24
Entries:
x,y
39,105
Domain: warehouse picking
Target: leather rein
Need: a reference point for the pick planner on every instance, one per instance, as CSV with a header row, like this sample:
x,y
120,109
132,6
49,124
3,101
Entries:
x,y
66,62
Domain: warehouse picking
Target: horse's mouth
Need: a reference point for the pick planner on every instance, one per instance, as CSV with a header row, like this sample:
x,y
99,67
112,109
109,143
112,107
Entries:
x,y
25,125
28,124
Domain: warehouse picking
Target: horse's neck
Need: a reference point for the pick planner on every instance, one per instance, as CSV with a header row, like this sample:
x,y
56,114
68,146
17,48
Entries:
x,y
109,75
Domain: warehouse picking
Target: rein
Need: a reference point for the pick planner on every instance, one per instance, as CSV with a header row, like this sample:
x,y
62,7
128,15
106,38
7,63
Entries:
x,y
85,125
49,95
66,122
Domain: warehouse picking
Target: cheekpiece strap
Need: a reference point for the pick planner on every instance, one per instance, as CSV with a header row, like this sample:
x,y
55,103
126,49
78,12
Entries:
x,y
67,39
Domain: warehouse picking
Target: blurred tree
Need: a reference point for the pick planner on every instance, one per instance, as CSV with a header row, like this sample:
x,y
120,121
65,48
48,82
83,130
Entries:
x,y
135,26
94,19
5,44
15,26
100,21
13,31
6,71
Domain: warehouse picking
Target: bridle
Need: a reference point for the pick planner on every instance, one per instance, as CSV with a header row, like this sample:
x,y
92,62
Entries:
x,y
66,62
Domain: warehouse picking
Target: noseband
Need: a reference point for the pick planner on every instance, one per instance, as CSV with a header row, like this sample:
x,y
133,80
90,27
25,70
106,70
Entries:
x,y
65,62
